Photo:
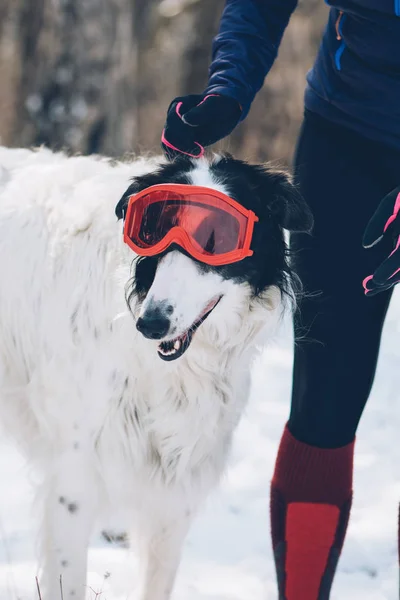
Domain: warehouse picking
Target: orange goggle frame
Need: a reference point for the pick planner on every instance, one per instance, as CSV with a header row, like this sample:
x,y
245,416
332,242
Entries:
x,y
212,227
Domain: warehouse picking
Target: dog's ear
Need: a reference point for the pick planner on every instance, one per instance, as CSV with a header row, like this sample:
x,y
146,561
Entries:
x,y
167,172
122,205
138,184
284,199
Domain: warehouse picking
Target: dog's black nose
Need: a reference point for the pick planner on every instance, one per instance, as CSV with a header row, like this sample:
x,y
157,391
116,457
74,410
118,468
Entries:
x,y
153,325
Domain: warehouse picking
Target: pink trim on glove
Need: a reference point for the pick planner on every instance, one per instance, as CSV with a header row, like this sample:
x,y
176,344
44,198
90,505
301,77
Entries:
x,y
169,145
365,283
217,96
395,273
397,245
393,251
209,96
178,106
394,215
177,109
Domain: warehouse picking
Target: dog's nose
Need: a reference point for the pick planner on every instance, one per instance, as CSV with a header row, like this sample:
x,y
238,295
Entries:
x,y
153,325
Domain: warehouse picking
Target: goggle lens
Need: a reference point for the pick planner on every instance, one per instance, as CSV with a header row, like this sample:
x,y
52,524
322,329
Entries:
x,y
211,228
209,225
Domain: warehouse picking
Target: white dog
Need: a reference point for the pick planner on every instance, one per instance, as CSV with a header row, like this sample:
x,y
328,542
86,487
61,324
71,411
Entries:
x,y
87,396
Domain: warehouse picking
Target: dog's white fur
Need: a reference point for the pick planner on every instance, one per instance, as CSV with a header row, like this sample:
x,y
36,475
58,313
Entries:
x,y
102,417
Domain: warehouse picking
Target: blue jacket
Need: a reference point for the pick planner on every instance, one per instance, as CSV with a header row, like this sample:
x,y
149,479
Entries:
x,y
355,80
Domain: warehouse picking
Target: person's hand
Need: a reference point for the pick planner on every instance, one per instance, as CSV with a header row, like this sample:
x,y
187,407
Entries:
x,y
385,223
196,121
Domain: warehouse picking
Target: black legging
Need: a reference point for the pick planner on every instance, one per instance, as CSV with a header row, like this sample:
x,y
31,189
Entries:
x,y
343,177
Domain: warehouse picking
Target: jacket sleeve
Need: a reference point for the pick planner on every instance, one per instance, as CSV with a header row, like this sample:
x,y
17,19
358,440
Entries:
x,y
246,46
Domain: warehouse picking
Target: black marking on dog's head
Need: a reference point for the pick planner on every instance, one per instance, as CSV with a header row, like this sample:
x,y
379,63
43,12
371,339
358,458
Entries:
x,y
267,191
271,195
176,171
145,271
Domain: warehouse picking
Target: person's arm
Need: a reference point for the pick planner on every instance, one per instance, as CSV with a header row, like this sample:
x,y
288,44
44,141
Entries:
x,y
246,46
242,54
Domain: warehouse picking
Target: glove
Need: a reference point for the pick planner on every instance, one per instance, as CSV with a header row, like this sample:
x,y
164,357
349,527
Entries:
x,y
385,224
196,121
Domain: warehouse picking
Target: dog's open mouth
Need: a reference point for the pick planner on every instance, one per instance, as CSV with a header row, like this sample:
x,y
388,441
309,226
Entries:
x,y
173,349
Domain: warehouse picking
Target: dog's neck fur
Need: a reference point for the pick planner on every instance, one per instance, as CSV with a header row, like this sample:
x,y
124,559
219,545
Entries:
x,y
209,385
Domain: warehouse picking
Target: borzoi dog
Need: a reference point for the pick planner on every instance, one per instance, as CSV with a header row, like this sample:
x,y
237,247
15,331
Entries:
x,y
122,378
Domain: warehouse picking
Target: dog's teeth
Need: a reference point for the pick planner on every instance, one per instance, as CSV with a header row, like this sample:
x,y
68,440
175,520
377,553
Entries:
x,y
169,348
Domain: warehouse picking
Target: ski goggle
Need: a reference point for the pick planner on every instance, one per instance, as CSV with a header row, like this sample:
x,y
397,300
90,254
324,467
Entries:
x,y
212,227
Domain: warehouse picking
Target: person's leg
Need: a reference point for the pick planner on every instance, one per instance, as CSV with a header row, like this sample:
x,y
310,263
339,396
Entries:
x,y
338,333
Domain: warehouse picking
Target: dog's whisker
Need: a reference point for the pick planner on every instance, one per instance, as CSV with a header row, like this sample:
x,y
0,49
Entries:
x,y
121,315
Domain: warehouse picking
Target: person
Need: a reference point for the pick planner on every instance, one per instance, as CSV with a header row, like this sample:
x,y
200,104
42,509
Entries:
x,y
347,159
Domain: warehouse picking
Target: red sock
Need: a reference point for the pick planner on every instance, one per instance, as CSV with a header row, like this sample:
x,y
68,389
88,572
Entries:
x,y
310,506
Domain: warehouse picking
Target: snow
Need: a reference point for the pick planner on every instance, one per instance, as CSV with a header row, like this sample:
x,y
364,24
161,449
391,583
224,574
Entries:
x,y
228,555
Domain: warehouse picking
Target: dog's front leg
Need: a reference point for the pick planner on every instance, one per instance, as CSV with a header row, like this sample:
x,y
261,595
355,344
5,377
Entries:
x,y
69,507
160,547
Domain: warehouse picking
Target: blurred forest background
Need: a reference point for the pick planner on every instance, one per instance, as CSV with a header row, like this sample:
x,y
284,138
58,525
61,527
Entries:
x,y
96,76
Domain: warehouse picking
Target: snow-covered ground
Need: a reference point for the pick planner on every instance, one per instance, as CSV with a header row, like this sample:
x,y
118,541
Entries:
x,y
227,554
